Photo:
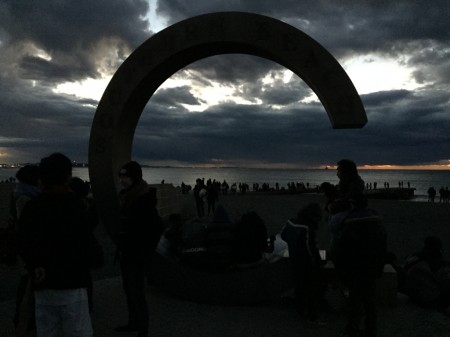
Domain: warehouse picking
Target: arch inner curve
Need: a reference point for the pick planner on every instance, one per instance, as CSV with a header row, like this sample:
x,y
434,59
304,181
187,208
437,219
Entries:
x,y
183,43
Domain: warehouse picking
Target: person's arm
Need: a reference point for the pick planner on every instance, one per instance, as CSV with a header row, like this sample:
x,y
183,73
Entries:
x,y
29,238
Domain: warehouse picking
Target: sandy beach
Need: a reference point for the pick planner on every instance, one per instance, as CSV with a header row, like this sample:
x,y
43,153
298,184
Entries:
x,y
407,224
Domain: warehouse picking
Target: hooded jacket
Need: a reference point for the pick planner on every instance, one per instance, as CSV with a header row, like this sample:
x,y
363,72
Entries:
x,y
140,224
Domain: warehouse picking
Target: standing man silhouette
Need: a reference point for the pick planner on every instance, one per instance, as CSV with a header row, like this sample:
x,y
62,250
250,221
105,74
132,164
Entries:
x,y
140,231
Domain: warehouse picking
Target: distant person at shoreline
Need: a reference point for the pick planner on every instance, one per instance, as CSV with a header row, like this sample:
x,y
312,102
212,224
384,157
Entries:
x,y
431,194
200,194
444,195
212,195
54,244
140,231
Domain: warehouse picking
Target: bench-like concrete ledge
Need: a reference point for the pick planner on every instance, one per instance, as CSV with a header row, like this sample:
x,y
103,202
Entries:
x,y
237,287
260,284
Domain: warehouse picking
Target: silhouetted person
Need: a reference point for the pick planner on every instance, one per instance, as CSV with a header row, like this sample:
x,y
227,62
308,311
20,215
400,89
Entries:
x,y
431,194
212,196
300,235
199,194
350,188
54,240
427,276
140,231
26,189
82,190
358,248
441,194
251,240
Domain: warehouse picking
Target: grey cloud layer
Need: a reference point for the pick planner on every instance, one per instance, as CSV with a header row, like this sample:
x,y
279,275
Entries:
x,y
81,39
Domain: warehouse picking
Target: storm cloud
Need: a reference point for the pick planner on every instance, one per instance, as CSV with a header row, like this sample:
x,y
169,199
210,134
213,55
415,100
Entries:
x,y
264,113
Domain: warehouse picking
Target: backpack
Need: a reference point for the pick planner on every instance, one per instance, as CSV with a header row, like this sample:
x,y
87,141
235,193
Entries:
x,y
192,251
360,245
421,284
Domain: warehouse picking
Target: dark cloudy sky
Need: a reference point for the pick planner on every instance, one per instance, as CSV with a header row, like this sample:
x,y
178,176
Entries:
x,y
57,56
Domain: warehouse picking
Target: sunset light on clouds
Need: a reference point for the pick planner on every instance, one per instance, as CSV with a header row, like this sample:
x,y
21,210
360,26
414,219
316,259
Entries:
x,y
234,109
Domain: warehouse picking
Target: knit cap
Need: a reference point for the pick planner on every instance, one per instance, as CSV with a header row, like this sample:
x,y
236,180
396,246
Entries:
x,y
133,170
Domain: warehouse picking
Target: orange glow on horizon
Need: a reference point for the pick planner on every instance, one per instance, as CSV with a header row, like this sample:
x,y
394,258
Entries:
x,y
406,167
431,167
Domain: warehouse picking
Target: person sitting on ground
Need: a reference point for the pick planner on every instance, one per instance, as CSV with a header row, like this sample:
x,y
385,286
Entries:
x,y
427,276
251,240
300,236
350,186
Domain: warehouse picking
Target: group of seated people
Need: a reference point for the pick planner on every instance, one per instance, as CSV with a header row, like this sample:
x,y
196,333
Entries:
x,y
219,245
223,245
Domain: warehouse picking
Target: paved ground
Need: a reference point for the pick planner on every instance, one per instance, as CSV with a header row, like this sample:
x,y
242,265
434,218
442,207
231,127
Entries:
x,y
176,317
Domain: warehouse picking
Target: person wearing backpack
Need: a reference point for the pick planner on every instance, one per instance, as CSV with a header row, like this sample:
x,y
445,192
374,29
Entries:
x,y
300,235
357,249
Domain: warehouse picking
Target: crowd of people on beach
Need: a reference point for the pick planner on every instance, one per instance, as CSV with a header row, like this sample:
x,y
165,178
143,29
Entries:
x,y
358,248
53,217
225,188
295,187
444,194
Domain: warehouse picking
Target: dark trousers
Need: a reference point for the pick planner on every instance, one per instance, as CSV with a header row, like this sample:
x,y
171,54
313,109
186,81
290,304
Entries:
x,y
361,302
309,291
133,279
200,207
211,206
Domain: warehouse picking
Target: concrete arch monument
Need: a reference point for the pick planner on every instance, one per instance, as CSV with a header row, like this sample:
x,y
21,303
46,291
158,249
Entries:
x,y
190,40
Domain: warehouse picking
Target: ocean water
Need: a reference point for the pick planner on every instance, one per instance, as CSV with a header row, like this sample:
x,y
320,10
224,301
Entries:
x,y
421,180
